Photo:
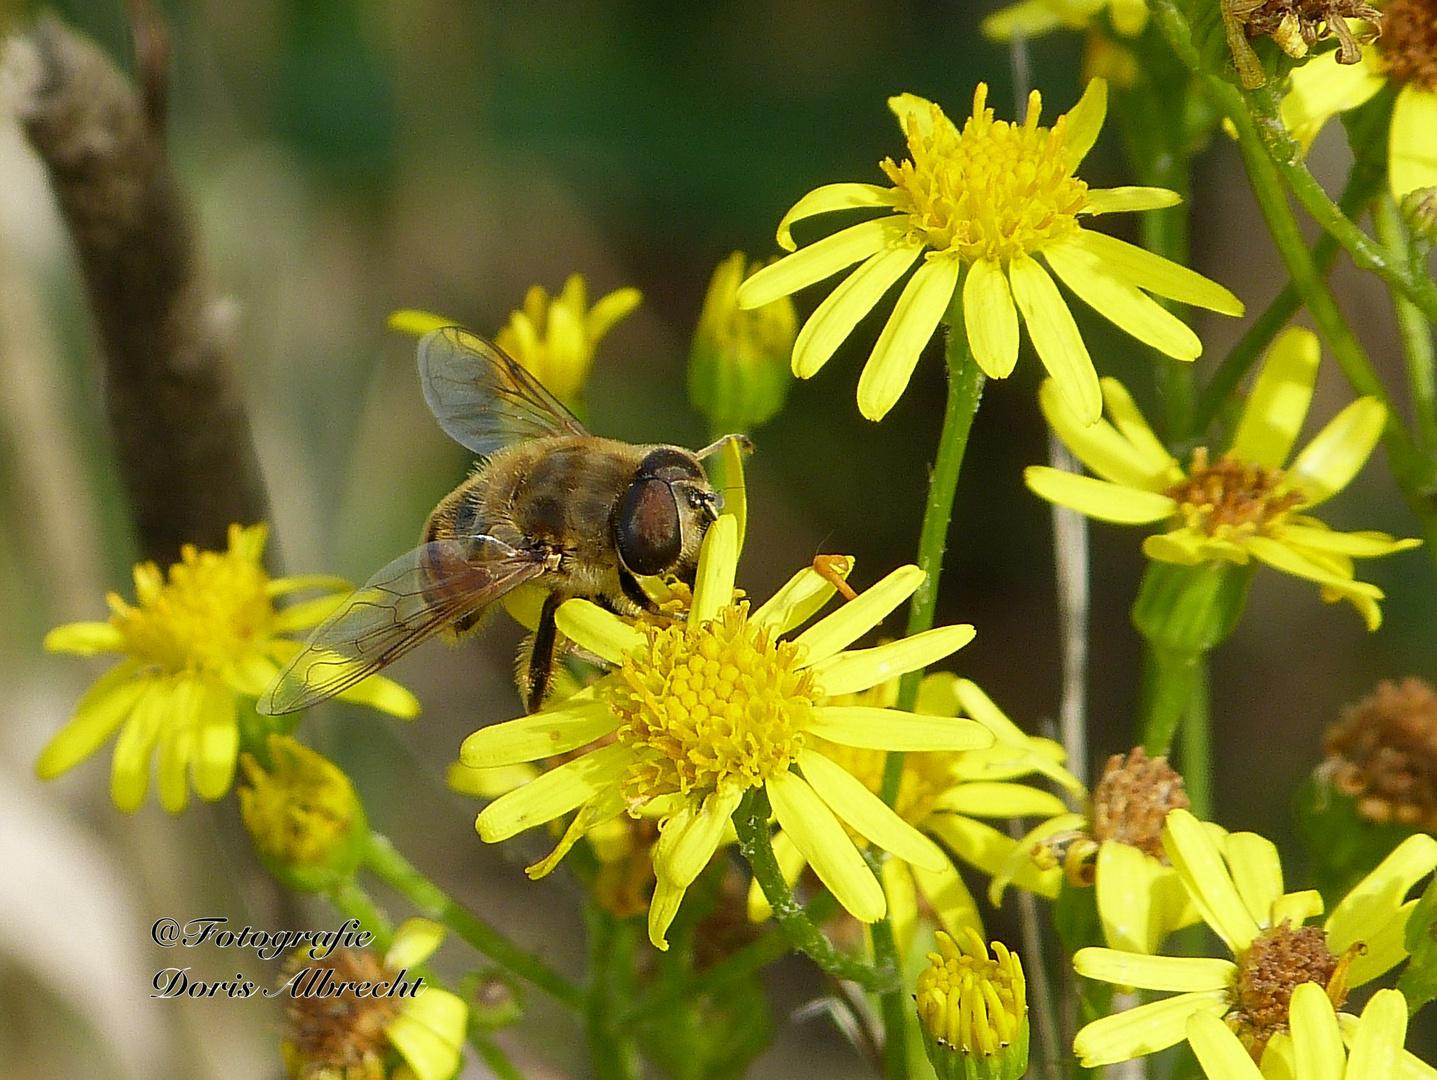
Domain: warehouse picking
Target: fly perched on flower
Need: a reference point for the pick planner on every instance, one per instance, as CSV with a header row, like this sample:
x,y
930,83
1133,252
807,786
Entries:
x,y
972,208
550,505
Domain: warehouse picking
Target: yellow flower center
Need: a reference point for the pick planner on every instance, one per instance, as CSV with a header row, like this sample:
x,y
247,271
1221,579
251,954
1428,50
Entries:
x,y
969,1001
212,612
1409,41
301,809
1229,498
709,707
1277,962
995,191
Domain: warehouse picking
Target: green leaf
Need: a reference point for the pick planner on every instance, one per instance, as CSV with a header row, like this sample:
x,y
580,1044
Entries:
x,y
1419,979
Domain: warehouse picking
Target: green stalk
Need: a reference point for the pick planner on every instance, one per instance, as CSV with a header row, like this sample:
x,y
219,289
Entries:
x,y
894,1003
385,862
495,1058
1196,758
611,970
353,902
1165,232
1416,336
750,822
965,392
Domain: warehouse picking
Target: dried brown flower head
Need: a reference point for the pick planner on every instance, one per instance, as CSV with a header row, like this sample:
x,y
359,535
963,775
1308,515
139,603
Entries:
x,y
1383,754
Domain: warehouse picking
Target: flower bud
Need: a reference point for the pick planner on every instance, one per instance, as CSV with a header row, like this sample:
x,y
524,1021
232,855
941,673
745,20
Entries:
x,y
1419,211
739,364
307,823
973,1010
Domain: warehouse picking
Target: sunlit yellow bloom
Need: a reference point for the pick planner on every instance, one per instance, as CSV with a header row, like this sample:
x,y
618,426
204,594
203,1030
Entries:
x,y
1247,503
972,209
198,648
704,711
1404,54
1314,1050
553,338
1235,881
943,794
973,1009
1029,18
381,1033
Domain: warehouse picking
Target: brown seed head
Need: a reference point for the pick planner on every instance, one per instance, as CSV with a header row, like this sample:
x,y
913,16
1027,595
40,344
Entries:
x,y
1383,753
1409,41
1132,801
340,1037
1279,959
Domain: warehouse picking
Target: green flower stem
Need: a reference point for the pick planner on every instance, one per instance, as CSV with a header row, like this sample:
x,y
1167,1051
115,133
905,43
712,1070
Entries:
x,y
611,973
1416,335
894,1003
1196,747
385,862
1169,680
495,1058
353,902
750,821
1362,186
965,393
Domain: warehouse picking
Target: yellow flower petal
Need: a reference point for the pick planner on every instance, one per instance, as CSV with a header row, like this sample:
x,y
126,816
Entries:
x,y
85,638
893,729
104,707
553,793
1145,443
1140,901
1322,88
1056,337
916,315
834,319
820,260
662,909
1222,1056
601,632
1316,1040
1377,1045
1122,199
1375,900
418,323
799,599
1175,973
990,319
1144,1030
1000,800
383,694
415,941
429,1032
831,197
919,110
1279,400
1358,545
578,721
1256,872
212,767
949,897
608,310
855,618
1362,595
1028,18
175,748
1109,451
1009,861
1196,858
859,669
1411,153
306,614
817,833
867,814
1153,273
1122,303
690,838
1083,121
718,563
978,705
1297,907
130,764
1098,498
1329,462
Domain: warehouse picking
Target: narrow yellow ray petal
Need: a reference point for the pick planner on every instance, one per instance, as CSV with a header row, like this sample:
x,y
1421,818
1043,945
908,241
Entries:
x,y
1155,274
1104,449
814,830
949,897
893,729
1373,899
1122,303
1196,858
1218,1049
1098,498
1144,1030
1320,89
212,764
831,197
819,260
797,601
383,694
1056,337
1122,199
1027,18
601,632
1279,400
1412,152
553,793
662,909
130,762
997,798
578,721
855,618
1381,1032
858,669
920,109
1358,545
867,814
1175,973
85,638
1129,420
718,564
1316,1039
990,319
429,1032
103,708
1329,462
1256,872
920,307
684,856
1083,121
834,319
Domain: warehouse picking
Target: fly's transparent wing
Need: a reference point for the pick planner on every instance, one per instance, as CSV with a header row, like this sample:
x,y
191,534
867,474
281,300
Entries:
x,y
481,396
412,598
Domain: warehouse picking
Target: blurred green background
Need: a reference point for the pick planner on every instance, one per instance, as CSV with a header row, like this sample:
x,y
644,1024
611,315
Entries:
x,y
349,158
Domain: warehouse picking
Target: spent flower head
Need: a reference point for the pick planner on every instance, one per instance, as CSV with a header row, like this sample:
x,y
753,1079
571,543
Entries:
x,y
973,1009
972,209
387,1022
199,647
1383,755
705,711
1235,881
1248,502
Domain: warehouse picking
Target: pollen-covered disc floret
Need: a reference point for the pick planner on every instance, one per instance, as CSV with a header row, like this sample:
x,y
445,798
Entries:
x,y
996,190
710,708
1230,498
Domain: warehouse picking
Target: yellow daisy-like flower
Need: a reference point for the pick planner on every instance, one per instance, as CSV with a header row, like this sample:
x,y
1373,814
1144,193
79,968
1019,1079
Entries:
x,y
1029,18
1314,1050
356,1036
553,338
973,1009
198,647
974,208
1246,503
702,712
1404,54
943,794
1235,881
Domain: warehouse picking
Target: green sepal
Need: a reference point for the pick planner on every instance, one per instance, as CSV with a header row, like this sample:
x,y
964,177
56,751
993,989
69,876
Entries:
x,y
1010,1063
1419,979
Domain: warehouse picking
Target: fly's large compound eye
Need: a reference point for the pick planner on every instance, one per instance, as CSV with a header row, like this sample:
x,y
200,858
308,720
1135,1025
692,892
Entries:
x,y
647,532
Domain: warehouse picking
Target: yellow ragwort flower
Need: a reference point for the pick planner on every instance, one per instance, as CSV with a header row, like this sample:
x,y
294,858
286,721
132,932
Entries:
x,y
1314,1050
1235,881
704,711
1247,503
943,794
198,647
974,208
1029,18
387,1022
1405,55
